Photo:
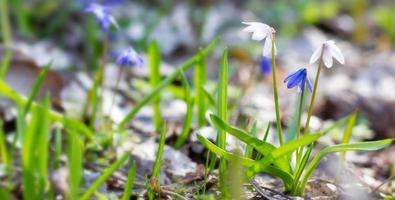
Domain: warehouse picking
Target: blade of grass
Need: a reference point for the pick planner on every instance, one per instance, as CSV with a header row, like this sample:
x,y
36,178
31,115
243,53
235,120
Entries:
x,y
154,70
105,175
209,97
3,149
188,117
155,178
74,155
36,86
5,194
358,146
249,149
348,131
43,147
58,148
200,78
159,154
130,181
272,170
6,35
262,147
281,152
222,108
6,90
165,82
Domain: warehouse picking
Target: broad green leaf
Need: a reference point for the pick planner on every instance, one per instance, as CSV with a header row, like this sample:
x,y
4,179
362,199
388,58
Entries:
x,y
281,152
272,170
75,162
262,147
359,146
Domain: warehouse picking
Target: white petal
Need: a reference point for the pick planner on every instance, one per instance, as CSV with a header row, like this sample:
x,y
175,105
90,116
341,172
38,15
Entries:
x,y
258,35
328,61
314,57
336,53
267,48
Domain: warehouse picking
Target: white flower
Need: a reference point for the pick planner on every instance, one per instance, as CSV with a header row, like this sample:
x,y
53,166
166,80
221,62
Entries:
x,y
261,31
330,51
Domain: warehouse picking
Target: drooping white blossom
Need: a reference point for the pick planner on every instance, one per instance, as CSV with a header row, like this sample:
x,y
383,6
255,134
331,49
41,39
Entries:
x,y
261,31
329,51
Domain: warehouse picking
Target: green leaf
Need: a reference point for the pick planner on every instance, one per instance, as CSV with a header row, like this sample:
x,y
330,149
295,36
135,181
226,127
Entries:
x,y
222,108
209,97
74,156
272,170
348,131
249,149
281,151
165,82
359,146
188,117
36,86
130,181
154,69
105,175
262,147
200,78
159,154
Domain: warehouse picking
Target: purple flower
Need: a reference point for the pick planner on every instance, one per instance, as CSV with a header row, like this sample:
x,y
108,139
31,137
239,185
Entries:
x,y
298,78
265,65
128,57
103,16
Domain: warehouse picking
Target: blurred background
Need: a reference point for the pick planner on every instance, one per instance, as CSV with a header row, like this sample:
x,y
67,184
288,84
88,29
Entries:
x,y
60,31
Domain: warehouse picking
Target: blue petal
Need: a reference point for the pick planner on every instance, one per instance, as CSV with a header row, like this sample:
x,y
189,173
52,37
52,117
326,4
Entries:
x,y
265,65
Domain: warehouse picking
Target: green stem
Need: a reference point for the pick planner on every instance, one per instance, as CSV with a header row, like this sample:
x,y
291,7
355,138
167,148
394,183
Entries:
x,y
300,110
306,127
278,118
6,34
5,22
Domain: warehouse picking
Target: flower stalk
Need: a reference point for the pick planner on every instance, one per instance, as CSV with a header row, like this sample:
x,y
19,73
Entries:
x,y
275,92
314,92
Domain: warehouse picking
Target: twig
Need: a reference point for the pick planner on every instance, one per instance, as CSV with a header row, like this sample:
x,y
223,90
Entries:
x,y
260,190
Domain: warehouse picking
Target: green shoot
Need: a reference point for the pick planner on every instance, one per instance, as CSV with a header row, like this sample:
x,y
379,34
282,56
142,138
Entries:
x,y
5,159
155,178
6,34
249,149
200,78
359,146
130,181
165,82
58,148
35,160
36,86
222,113
188,118
6,90
348,131
154,70
105,175
75,156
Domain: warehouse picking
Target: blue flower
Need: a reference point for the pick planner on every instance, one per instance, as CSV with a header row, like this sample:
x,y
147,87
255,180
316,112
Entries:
x,y
298,78
128,57
103,16
265,65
